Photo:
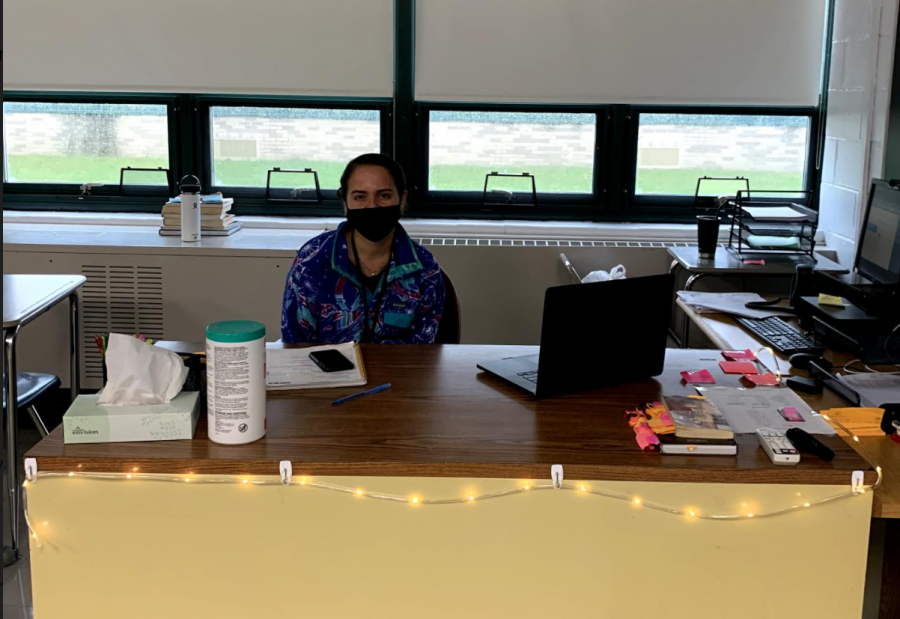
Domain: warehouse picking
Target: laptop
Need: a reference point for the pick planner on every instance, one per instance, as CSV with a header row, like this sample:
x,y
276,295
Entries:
x,y
593,335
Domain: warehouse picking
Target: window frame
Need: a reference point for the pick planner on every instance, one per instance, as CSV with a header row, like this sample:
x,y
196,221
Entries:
x,y
681,206
444,204
613,198
67,196
252,200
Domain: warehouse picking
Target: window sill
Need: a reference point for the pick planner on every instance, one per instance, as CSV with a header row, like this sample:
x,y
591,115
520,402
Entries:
x,y
418,228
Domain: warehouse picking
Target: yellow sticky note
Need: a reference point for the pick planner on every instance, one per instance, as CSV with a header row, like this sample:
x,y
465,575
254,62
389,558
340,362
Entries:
x,y
860,421
827,299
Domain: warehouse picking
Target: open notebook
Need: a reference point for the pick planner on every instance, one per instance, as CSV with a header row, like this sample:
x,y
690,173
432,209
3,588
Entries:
x,y
291,368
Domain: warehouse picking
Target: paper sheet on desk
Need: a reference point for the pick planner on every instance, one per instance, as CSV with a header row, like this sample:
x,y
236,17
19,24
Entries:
x,y
728,303
748,410
875,390
770,213
291,368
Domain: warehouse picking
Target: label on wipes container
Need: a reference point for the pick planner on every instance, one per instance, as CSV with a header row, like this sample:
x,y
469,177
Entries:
x,y
236,385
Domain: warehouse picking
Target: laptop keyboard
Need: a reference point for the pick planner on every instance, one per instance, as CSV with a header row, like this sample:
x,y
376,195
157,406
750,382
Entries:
x,y
531,376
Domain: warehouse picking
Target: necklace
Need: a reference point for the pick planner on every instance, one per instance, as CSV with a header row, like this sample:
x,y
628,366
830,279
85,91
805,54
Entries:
x,y
368,331
367,269
363,266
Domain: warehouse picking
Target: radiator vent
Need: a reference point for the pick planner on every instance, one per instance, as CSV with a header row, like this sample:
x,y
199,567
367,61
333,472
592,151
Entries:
x,y
555,243
120,299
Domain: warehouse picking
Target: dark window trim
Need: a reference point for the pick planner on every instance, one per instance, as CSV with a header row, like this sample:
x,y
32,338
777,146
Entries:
x,y
615,167
252,200
467,204
189,153
649,203
612,199
403,132
67,196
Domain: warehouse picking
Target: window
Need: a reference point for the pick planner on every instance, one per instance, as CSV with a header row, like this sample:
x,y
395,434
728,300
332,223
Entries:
x,y
557,148
588,162
674,150
76,143
247,142
571,136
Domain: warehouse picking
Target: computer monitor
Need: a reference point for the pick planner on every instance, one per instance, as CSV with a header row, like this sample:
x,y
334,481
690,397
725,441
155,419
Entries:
x,y
878,259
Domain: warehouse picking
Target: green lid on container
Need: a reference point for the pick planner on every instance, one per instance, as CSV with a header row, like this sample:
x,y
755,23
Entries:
x,y
235,331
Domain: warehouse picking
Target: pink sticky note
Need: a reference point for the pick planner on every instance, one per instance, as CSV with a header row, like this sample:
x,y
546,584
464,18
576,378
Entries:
x,y
790,413
759,263
698,377
763,380
738,367
739,355
646,438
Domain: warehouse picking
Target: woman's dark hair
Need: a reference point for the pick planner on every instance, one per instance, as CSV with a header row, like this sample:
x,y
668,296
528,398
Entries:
x,y
373,159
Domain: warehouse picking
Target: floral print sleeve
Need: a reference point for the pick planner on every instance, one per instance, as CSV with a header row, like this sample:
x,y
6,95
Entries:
x,y
431,306
299,317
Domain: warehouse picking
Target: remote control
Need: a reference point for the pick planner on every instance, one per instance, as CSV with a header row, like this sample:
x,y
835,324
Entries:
x,y
804,441
778,447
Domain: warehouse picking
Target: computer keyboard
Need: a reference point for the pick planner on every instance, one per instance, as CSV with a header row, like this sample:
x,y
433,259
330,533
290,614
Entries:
x,y
530,376
779,335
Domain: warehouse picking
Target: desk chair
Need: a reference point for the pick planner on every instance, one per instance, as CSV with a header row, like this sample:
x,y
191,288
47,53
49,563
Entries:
x,y
31,388
450,327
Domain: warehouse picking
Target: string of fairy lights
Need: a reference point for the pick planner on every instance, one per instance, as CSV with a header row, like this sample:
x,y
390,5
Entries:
x,y
857,487
286,479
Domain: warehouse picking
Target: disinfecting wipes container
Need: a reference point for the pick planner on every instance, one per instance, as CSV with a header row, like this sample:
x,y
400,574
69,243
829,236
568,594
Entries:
x,y
236,381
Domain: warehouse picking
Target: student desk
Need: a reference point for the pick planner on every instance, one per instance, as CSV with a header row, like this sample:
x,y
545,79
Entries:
x,y
25,298
444,431
727,334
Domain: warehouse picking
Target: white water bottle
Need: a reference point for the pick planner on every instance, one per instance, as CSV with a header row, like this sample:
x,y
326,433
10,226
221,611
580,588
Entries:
x,y
190,209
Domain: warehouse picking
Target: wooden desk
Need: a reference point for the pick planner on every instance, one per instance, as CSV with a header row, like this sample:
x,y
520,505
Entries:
x,y
230,550
726,334
443,418
25,298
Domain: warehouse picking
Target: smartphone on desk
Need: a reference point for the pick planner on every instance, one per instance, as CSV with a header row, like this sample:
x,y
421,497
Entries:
x,y
331,361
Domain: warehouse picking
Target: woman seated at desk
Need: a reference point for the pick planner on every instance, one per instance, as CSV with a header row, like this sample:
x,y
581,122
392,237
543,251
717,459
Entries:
x,y
367,281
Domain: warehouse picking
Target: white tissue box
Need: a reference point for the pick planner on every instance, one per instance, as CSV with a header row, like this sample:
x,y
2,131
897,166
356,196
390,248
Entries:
x,y
88,422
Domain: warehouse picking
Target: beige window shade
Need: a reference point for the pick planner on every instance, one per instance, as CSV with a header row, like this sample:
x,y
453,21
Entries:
x,y
311,47
766,52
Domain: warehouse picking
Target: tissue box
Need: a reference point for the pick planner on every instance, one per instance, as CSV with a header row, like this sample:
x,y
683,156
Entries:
x,y
88,422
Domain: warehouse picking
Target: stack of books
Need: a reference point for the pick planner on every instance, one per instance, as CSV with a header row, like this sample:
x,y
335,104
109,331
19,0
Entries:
x,y
700,428
215,217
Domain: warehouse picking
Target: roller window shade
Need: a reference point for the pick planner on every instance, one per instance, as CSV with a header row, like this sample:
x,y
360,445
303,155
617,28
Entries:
x,y
732,52
314,47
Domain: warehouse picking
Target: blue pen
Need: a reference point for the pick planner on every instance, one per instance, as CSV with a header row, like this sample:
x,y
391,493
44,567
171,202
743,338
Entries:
x,y
362,394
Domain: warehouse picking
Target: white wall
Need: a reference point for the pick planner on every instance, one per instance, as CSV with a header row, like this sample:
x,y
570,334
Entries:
x,y
858,110
501,289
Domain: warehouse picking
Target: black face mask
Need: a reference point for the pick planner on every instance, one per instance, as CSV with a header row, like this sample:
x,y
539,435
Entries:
x,y
376,223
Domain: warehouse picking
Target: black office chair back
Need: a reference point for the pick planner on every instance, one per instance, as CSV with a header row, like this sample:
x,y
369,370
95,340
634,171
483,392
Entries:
x,y
450,327
31,387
